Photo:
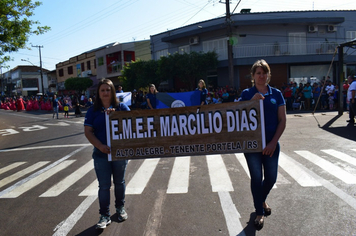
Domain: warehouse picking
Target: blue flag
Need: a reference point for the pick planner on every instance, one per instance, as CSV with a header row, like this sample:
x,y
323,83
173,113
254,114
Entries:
x,y
184,99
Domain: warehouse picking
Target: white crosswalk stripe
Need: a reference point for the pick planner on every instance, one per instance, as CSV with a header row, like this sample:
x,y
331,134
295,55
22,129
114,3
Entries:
x,y
91,190
68,181
10,167
219,177
179,179
142,176
342,156
329,167
289,165
22,173
37,180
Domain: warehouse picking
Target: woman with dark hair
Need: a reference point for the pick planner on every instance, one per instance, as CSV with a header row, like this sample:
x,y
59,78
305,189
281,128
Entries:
x,y
151,96
263,166
95,132
203,92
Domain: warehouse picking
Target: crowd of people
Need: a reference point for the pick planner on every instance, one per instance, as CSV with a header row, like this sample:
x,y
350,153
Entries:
x,y
53,103
323,95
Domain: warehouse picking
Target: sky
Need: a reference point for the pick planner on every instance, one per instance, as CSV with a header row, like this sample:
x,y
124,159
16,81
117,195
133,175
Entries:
x,y
82,25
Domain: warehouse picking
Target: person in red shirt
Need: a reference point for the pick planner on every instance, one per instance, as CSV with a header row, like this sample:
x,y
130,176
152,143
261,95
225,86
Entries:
x,y
345,87
287,92
20,104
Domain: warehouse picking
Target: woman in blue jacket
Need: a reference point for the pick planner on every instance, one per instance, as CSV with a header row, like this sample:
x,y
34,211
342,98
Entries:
x,y
95,132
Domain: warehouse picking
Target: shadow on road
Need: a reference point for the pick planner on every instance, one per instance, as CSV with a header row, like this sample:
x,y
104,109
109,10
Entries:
x,y
347,131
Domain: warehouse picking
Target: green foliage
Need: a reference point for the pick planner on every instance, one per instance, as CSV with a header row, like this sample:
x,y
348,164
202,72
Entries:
x,y
16,26
188,68
78,84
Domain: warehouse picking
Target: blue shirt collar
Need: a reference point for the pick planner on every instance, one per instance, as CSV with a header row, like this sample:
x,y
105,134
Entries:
x,y
269,90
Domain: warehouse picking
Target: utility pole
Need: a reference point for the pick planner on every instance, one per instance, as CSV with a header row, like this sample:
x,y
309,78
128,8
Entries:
x,y
229,45
39,48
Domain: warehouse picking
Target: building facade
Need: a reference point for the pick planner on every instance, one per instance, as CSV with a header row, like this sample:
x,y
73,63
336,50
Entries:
x,y
104,62
299,45
113,58
26,81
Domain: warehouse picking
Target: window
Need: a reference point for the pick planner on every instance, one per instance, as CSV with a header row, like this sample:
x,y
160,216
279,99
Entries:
x,y
30,83
70,70
128,57
297,44
184,49
100,61
161,53
60,72
219,46
350,35
88,65
82,66
95,63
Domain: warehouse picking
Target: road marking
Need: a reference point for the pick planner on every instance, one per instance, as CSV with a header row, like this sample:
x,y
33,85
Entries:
x,y
5,132
340,155
297,173
26,116
329,186
10,167
231,214
34,175
91,190
219,177
68,181
155,218
37,180
22,173
44,147
142,176
241,158
334,170
179,180
57,124
66,226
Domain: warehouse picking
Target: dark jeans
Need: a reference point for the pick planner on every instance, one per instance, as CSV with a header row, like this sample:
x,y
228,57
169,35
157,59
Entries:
x,y
262,181
104,169
352,111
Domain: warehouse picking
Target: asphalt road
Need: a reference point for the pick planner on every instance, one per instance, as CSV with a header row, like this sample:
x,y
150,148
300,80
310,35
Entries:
x,y
48,185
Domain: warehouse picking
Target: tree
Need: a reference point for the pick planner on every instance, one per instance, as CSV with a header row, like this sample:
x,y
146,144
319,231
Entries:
x,y
78,84
187,68
139,74
16,27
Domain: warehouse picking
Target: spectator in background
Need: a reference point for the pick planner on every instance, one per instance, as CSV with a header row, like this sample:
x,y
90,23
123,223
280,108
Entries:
x,y
151,97
351,97
55,105
225,95
119,89
307,92
288,96
345,87
336,96
316,93
203,91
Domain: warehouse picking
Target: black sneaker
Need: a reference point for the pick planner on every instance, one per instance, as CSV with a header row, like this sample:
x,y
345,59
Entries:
x,y
121,214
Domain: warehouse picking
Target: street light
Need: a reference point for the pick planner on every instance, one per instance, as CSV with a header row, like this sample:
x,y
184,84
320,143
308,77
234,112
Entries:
x,y
40,73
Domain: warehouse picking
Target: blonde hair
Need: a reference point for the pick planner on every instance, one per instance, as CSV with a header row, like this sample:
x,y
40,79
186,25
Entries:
x,y
265,67
203,82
